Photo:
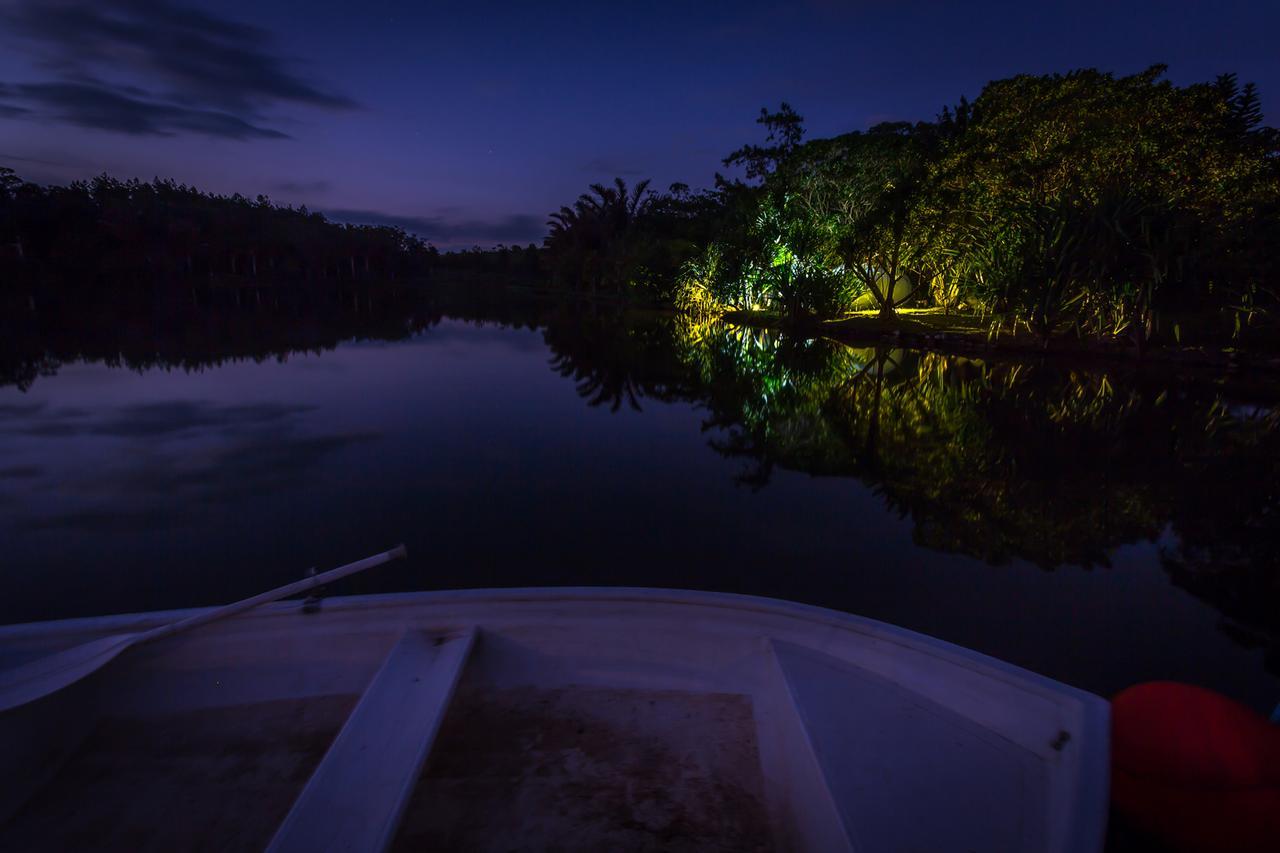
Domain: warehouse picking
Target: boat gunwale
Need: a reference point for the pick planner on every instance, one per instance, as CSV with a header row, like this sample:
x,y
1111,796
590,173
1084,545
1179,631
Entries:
x,y
874,628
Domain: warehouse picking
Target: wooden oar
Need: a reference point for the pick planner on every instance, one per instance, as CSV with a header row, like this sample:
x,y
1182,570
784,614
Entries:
x,y
44,676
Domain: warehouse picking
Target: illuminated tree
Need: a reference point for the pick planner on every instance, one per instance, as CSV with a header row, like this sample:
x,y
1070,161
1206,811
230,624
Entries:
x,y
871,193
1095,201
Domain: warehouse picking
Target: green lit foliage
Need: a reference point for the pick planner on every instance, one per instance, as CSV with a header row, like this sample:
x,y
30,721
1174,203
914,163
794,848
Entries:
x,y
1095,202
698,281
798,269
782,262
779,255
1082,203
870,192
733,270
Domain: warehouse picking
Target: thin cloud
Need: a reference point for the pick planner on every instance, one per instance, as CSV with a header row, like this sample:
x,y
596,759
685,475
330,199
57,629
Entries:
x,y
153,421
204,73
303,186
105,109
515,228
151,489
6,157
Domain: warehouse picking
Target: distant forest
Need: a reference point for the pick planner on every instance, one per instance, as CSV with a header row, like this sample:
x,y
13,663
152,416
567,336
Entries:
x,y
1085,203
114,231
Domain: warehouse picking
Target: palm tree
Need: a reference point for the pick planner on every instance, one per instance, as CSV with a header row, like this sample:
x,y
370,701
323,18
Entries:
x,y
589,240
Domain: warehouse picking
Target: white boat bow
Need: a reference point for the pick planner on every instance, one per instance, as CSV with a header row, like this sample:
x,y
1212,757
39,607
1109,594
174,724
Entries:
x,y
551,718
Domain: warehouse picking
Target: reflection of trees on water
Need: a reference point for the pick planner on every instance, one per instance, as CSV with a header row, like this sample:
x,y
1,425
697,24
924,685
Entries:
x,y
1228,527
994,460
144,329
1005,461
614,359
142,332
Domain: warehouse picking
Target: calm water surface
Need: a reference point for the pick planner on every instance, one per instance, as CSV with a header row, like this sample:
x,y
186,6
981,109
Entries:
x,y
1096,528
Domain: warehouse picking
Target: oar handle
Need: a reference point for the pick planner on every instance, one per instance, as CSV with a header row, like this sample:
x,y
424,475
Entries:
x,y
285,591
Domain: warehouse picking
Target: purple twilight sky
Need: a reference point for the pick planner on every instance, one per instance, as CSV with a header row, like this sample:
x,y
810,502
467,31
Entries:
x,y
468,122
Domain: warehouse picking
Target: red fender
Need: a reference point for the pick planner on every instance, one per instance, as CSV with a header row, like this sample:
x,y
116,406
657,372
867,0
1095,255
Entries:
x,y
1195,769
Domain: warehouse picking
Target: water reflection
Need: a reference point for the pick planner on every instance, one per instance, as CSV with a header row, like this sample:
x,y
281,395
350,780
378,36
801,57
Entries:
x,y
995,460
186,331
1002,461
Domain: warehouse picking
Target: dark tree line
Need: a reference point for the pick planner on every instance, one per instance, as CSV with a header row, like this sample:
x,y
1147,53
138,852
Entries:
x,y
108,230
501,264
624,240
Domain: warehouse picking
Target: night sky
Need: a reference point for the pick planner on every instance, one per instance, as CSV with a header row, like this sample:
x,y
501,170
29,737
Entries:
x,y
468,122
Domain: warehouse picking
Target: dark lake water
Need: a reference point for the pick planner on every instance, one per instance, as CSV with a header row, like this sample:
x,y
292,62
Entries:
x,y
1101,526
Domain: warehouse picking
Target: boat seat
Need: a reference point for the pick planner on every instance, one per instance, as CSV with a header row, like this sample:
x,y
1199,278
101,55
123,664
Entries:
x,y
356,797
896,771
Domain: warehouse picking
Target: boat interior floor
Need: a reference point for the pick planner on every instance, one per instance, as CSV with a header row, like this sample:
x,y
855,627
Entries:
x,y
522,768
591,769
203,780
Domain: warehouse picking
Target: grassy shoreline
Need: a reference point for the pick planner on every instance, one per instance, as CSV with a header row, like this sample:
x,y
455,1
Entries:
x,y
933,329
1256,354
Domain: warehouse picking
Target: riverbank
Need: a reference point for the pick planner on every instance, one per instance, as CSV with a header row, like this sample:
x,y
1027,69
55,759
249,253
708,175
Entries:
x,y
933,329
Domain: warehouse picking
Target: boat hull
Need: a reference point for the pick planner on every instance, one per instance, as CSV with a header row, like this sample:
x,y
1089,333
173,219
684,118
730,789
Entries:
x,y
849,733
